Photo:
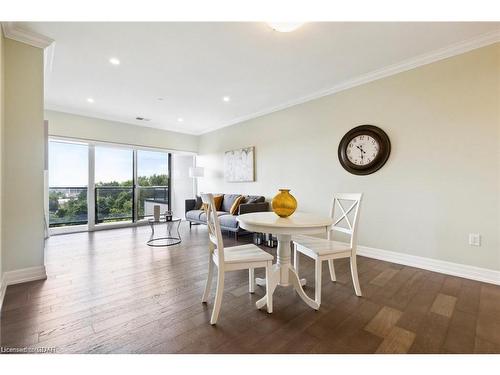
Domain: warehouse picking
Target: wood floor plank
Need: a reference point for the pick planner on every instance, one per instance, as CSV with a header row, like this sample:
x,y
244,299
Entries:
x,y
488,327
461,334
397,341
431,334
383,278
383,323
444,305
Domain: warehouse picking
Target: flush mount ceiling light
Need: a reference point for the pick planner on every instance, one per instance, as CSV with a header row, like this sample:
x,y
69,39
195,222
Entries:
x,y
285,27
114,61
90,100
180,119
226,98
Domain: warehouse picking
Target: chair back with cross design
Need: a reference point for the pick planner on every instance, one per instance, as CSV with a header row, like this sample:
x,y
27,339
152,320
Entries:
x,y
214,231
345,215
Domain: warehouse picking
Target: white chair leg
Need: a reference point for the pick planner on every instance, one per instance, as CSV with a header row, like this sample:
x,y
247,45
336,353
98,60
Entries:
x,y
317,287
208,284
251,280
354,273
331,267
269,291
218,297
296,259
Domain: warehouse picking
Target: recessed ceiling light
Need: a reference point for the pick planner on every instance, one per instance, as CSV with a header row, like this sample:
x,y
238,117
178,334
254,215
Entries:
x,y
226,98
90,100
114,61
285,27
180,119
160,99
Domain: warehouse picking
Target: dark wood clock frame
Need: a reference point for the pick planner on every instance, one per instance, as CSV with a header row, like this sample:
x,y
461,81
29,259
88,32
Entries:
x,y
384,149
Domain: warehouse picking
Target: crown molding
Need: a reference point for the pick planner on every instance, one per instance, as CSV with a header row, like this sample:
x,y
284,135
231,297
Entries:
x,y
424,59
13,31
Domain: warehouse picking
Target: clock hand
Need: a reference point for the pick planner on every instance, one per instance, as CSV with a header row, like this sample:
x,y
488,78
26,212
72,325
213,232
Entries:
x,y
363,151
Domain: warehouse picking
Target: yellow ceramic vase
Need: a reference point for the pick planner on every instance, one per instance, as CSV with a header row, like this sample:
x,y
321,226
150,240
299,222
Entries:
x,y
284,204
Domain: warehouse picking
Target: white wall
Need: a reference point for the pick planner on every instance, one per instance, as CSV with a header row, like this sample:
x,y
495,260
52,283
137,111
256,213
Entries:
x,y
182,184
442,180
88,128
23,155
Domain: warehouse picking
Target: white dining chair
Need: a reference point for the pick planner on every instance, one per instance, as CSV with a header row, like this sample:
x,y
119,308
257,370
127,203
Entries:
x,y
321,249
231,259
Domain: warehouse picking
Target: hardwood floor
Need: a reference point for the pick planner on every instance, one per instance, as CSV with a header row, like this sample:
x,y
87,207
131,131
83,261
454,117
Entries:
x,y
108,292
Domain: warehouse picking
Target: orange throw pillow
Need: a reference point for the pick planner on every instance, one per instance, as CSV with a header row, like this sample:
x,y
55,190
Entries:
x,y
236,204
218,201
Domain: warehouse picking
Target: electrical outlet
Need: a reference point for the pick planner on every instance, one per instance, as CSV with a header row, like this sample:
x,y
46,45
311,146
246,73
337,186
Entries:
x,y
474,239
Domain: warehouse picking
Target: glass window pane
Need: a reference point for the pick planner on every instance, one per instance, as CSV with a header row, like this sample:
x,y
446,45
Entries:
x,y
152,168
152,179
68,177
113,184
113,166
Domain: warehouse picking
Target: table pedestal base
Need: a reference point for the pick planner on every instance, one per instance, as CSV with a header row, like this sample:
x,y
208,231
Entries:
x,y
284,274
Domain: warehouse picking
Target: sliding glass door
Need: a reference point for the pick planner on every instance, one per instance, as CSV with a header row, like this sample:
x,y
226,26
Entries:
x,y
152,182
68,182
114,184
98,183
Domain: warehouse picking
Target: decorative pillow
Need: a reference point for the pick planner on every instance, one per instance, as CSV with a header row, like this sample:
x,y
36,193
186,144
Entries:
x,y
236,205
254,199
199,203
218,201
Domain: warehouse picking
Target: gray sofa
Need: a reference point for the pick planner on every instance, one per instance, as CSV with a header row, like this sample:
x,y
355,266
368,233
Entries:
x,y
228,222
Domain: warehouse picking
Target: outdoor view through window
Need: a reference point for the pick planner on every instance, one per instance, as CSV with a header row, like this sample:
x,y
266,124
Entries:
x,y
117,197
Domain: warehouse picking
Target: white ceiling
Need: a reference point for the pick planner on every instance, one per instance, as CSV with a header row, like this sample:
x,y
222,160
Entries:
x,y
193,65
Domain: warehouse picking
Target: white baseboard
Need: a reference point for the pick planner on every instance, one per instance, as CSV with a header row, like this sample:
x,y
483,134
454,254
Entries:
x,y
448,268
21,276
24,275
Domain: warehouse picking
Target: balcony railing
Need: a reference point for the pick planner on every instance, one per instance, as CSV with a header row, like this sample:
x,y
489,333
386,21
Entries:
x,y
114,203
68,205
149,196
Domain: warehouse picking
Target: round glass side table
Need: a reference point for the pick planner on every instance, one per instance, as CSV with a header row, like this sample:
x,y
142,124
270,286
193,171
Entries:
x,y
173,237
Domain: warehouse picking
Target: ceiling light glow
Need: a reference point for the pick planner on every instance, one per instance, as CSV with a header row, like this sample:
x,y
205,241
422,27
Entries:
x,y
90,100
285,27
114,61
226,98
180,119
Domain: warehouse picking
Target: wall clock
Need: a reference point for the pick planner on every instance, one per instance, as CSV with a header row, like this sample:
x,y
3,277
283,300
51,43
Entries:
x,y
364,149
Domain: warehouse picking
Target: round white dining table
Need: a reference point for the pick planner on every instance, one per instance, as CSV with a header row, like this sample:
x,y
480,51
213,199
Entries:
x,y
283,272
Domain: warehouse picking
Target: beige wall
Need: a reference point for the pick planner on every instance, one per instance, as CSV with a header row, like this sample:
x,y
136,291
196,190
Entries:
x,y
22,178
441,181
74,126
1,147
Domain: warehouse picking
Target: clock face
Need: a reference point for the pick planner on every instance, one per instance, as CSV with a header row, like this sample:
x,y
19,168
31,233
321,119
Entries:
x,y
362,150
